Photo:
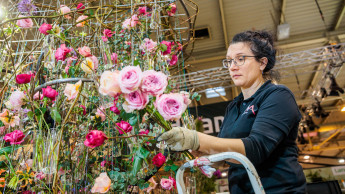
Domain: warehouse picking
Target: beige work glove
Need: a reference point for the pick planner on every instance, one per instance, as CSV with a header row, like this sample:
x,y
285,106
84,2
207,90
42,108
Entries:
x,y
180,139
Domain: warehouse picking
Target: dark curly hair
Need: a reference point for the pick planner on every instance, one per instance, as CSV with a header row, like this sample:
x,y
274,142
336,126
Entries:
x,y
261,44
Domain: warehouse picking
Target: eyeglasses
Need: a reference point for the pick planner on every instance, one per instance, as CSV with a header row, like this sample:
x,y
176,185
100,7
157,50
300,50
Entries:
x,y
238,61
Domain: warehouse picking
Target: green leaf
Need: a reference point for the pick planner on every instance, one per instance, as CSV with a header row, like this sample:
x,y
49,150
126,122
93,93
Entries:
x,y
167,168
142,153
133,120
174,168
163,47
40,111
8,150
136,62
30,115
54,113
170,162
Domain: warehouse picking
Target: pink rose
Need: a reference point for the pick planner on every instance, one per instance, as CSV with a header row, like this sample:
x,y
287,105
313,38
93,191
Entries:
x,y
102,184
168,45
173,60
158,160
64,10
85,51
108,33
80,6
71,90
142,10
130,78
24,78
125,126
38,96
114,58
17,100
84,109
44,28
15,137
131,22
185,95
167,184
40,176
173,180
49,93
171,9
154,83
81,18
104,38
136,100
9,119
115,110
145,132
103,163
170,106
109,83
95,138
24,23
100,113
62,52
148,45
126,24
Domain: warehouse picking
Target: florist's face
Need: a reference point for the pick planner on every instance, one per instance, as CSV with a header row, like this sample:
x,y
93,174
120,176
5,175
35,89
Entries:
x,y
251,70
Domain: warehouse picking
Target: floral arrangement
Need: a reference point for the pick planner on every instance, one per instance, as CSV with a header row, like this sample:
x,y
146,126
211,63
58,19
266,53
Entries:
x,y
81,107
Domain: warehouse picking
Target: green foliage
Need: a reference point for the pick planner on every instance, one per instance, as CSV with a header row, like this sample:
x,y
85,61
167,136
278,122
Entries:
x,y
8,150
54,113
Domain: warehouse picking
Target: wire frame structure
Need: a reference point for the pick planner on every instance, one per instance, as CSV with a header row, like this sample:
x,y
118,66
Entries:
x,y
68,123
288,65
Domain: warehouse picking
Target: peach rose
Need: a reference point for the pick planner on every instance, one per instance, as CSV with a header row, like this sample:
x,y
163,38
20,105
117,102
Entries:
x,y
109,83
71,90
9,119
102,184
85,51
17,100
64,10
88,66
80,18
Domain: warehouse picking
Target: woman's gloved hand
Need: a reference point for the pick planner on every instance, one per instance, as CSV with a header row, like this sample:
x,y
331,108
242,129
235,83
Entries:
x,y
180,139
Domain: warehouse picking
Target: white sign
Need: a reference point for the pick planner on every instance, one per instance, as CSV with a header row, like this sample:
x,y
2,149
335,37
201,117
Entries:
x,y
338,170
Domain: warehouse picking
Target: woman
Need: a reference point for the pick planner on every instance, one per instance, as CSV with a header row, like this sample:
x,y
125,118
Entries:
x,y
261,123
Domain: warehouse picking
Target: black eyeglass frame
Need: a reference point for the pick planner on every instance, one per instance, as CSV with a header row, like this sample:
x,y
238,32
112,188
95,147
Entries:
x,y
226,62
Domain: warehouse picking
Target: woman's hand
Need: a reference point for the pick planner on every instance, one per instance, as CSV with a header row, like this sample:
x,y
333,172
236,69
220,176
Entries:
x,y
180,139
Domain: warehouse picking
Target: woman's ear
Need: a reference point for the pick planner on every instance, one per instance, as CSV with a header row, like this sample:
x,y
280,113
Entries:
x,y
263,63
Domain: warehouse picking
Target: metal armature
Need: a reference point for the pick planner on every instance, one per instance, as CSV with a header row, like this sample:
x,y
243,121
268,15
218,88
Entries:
x,y
286,64
334,60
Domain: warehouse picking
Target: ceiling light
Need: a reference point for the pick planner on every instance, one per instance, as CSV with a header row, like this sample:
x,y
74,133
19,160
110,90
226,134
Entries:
x,y
224,174
215,92
341,160
306,157
2,13
283,31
